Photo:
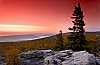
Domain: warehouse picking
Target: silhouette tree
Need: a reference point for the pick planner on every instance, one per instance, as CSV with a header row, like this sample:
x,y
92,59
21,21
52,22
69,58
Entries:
x,y
59,41
77,37
60,37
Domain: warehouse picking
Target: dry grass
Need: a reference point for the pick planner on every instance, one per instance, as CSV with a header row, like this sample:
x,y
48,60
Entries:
x,y
12,49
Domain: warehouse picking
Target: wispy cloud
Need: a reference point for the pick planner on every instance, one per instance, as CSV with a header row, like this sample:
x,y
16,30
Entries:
x,y
20,28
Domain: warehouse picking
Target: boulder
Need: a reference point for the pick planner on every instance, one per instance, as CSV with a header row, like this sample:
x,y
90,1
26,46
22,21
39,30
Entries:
x,y
98,60
34,57
81,58
68,57
58,58
2,60
52,60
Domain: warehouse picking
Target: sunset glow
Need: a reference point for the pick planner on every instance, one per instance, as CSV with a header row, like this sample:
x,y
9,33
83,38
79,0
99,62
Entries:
x,y
20,28
46,16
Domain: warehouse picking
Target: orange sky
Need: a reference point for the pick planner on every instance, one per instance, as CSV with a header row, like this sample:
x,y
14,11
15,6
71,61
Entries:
x,y
44,16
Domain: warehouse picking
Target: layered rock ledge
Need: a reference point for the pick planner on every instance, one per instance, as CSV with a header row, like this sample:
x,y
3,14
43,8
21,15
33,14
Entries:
x,y
65,57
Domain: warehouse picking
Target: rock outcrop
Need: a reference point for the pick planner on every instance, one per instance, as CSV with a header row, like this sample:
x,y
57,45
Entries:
x,y
66,57
58,58
98,60
34,57
2,60
81,58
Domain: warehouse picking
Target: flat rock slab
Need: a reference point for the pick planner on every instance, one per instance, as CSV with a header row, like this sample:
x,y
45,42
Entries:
x,y
65,57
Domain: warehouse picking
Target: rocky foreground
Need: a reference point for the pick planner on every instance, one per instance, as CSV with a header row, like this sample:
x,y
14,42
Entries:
x,y
66,57
2,60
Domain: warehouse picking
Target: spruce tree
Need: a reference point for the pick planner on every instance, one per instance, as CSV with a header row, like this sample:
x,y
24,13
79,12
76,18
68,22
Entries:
x,y
77,36
59,41
60,37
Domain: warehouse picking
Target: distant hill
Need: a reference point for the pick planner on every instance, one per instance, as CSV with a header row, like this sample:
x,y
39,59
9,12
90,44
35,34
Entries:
x,y
29,37
94,33
17,38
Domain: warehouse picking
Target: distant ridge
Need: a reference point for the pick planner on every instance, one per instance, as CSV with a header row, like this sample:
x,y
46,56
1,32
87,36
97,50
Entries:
x,y
16,38
95,33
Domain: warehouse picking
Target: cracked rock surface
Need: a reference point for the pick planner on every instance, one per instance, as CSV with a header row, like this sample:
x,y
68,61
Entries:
x,y
65,57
